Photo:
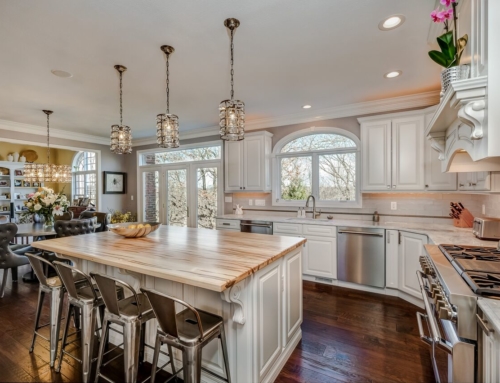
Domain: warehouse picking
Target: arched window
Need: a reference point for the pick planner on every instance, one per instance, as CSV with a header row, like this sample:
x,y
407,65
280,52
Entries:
x,y
321,162
85,176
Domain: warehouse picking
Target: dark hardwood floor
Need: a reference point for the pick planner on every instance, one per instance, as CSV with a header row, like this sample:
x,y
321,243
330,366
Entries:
x,y
347,336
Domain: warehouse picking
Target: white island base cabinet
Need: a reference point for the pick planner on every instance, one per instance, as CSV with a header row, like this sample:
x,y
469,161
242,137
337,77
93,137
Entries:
x,y
262,316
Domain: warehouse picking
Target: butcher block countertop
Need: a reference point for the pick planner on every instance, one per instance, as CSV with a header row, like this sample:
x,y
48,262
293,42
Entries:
x,y
210,259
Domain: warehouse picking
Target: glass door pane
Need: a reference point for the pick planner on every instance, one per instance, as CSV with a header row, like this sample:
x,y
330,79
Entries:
x,y
206,194
151,199
177,203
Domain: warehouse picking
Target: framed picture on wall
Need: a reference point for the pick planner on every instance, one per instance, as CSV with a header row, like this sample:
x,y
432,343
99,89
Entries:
x,y
115,182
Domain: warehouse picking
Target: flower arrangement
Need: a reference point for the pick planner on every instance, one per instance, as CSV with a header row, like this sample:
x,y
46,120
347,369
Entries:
x,y
47,203
451,46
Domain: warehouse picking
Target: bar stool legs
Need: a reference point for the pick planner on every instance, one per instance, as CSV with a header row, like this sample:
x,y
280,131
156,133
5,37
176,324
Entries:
x,y
191,364
131,345
56,301
156,355
224,352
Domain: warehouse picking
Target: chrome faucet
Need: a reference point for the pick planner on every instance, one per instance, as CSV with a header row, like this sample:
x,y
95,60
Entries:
x,y
315,214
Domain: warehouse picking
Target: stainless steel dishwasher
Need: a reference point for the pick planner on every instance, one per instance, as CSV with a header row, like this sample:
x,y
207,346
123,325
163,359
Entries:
x,y
361,255
260,227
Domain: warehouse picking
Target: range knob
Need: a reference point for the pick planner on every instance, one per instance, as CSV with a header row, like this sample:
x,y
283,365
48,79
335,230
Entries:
x,y
435,291
445,313
438,298
441,304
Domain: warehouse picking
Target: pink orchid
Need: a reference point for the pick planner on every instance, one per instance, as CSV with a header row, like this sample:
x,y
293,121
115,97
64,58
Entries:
x,y
448,14
437,16
447,3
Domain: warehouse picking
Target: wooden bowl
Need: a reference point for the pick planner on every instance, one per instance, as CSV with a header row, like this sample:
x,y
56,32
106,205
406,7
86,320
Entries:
x,y
130,229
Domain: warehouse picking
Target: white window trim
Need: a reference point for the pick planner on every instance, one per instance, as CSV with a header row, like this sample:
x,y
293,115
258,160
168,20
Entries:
x,y
84,172
162,168
276,155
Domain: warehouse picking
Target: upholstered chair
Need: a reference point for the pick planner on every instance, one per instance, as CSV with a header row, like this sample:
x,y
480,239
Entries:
x,y
10,259
103,218
73,227
66,216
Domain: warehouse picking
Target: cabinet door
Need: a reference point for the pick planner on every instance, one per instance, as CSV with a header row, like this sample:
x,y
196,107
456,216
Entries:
x,y
320,257
465,181
408,153
391,259
268,320
292,314
489,352
435,179
481,181
376,155
411,247
233,165
253,163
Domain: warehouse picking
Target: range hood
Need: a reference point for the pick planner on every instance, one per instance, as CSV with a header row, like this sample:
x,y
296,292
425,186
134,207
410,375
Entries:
x,y
461,162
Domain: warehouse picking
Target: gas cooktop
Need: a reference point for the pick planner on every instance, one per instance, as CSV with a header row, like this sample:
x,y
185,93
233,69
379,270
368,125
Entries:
x,y
478,266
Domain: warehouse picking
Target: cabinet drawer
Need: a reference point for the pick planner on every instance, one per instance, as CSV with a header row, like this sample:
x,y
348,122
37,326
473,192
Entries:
x,y
286,228
228,224
319,230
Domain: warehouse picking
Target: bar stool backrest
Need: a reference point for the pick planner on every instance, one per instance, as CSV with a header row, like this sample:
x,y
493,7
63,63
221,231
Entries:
x,y
108,287
164,308
37,265
66,273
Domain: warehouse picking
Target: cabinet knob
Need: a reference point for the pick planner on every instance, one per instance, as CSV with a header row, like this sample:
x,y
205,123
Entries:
x,y
388,186
461,185
426,186
241,188
394,186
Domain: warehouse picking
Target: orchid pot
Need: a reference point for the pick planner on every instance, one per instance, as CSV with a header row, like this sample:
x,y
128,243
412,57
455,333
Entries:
x,y
455,73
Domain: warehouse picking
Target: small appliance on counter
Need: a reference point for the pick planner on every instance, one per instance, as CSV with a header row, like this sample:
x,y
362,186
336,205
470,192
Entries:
x,y
486,228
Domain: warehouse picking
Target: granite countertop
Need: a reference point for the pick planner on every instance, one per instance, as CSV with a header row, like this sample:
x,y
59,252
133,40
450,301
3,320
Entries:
x,y
491,307
438,234
210,259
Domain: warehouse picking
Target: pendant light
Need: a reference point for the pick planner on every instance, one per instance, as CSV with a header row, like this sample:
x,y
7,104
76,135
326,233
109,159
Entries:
x,y
47,172
121,135
167,125
232,112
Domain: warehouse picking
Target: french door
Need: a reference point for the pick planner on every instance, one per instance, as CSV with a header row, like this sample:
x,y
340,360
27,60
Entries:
x,y
185,195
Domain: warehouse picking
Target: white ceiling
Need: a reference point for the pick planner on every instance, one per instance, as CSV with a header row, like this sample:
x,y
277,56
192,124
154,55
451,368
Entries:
x,y
288,53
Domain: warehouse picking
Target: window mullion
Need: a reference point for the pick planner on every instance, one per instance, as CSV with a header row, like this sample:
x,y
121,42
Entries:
x,y
315,175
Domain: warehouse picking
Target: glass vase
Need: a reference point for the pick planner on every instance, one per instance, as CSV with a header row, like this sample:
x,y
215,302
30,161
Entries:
x,y
49,221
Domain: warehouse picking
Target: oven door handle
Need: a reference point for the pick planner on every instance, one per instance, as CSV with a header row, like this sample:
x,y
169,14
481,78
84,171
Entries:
x,y
431,319
423,337
483,324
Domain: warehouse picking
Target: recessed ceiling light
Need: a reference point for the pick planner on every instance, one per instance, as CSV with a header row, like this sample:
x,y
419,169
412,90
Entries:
x,y
393,74
306,107
391,22
61,73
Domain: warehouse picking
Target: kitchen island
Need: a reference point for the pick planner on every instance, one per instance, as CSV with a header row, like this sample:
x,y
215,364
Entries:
x,y
253,281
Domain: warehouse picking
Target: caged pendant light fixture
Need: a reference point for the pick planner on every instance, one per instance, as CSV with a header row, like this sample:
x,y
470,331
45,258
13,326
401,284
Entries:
x,y
167,125
121,135
47,172
232,112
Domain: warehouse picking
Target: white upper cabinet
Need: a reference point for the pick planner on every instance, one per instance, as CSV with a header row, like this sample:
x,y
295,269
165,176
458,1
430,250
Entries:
x,y
393,153
248,163
408,153
376,155
479,181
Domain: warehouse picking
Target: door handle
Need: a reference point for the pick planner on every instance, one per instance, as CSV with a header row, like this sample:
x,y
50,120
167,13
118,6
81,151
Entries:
x,y
483,324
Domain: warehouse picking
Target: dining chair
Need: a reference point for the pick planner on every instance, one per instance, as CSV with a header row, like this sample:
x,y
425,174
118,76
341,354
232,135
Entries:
x,y
11,256
103,218
189,331
66,216
73,227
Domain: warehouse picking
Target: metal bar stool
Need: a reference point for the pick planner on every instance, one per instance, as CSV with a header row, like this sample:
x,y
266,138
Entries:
x,y
54,287
131,313
189,331
83,299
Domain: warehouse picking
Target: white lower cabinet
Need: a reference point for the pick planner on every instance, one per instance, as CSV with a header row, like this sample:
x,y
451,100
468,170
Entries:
x,y
391,259
411,247
292,272
320,257
489,352
319,254
227,224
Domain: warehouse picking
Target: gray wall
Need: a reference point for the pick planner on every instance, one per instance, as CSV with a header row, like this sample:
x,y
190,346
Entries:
x,y
109,162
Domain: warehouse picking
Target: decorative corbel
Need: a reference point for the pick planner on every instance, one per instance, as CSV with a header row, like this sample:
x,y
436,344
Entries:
x,y
472,114
232,295
437,141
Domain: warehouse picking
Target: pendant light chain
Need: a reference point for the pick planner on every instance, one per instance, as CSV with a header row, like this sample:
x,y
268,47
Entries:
x,y
48,140
232,63
167,84
121,102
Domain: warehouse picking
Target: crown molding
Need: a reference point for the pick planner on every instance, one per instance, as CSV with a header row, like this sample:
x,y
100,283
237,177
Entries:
x,y
419,100
54,133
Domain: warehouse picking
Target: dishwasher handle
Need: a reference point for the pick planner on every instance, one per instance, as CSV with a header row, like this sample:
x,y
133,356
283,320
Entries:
x,y
360,233
256,224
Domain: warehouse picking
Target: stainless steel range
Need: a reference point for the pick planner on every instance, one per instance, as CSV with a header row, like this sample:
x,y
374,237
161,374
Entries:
x,y
452,279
